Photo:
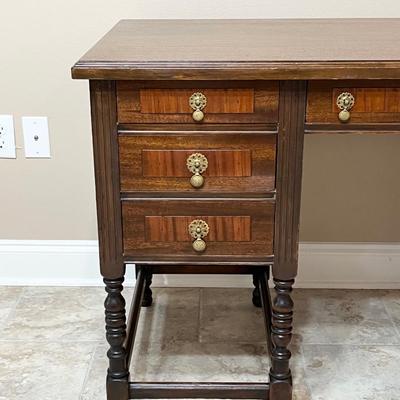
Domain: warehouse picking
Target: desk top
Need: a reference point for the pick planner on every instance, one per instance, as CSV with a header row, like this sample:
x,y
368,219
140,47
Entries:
x,y
246,49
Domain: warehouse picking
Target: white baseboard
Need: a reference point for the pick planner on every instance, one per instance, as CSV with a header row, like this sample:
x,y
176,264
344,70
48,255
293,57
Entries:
x,y
322,265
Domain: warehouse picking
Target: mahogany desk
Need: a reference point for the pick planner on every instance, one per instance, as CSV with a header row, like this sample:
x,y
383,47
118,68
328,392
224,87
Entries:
x,y
198,133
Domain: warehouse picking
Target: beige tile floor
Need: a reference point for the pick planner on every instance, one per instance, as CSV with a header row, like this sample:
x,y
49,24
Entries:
x,y
346,343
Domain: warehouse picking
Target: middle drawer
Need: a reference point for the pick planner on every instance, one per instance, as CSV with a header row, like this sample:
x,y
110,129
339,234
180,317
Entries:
x,y
196,162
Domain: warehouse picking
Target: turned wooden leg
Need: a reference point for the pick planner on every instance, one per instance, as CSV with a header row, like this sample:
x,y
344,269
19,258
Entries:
x,y
117,374
256,292
281,335
148,294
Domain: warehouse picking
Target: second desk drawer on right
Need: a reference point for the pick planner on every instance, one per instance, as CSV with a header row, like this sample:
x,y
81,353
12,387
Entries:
x,y
353,102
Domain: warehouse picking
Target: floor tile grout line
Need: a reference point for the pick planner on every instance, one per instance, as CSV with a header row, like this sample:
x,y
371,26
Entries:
x,y
88,369
397,330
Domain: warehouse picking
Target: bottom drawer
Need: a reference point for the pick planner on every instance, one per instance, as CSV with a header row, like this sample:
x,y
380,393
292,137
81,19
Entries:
x,y
233,229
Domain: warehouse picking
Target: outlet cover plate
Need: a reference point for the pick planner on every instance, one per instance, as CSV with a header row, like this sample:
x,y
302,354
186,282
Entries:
x,y
36,137
7,137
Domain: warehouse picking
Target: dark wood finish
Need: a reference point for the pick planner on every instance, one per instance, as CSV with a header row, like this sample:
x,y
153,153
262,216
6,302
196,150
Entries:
x,y
375,102
246,49
281,335
117,374
208,268
248,103
214,71
266,304
342,129
242,162
196,264
192,390
105,149
289,170
195,128
138,296
137,245
256,296
175,228
148,294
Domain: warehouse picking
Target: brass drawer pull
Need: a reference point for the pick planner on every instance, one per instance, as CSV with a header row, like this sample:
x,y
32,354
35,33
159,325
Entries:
x,y
345,101
198,229
197,163
198,101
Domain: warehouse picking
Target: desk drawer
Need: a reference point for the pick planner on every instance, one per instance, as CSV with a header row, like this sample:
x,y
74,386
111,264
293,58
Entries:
x,y
243,103
374,102
159,229
242,162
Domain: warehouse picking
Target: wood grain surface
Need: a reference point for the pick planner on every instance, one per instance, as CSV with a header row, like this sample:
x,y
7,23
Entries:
x,y
175,228
227,102
139,227
289,176
172,163
245,49
242,162
176,101
105,149
375,102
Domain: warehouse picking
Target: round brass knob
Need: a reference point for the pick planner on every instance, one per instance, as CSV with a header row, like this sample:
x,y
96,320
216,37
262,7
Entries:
x,y
345,101
197,102
197,163
198,115
197,181
198,229
344,115
199,245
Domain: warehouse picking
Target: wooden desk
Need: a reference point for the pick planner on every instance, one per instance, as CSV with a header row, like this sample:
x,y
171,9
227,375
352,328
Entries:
x,y
198,133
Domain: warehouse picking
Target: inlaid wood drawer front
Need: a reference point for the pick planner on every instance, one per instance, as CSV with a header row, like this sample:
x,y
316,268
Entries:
x,y
175,228
367,102
157,229
245,103
233,163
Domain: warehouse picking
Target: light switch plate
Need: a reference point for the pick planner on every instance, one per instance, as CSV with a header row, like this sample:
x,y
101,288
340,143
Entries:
x,y
36,137
7,137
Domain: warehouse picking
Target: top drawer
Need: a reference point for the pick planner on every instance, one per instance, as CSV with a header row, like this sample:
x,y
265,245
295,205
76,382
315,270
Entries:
x,y
360,102
240,102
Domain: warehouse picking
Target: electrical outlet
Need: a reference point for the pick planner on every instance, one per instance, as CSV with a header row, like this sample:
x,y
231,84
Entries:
x,y
7,137
36,137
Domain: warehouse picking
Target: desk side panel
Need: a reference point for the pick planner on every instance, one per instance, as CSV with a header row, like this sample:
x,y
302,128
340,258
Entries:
x,y
105,149
289,175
